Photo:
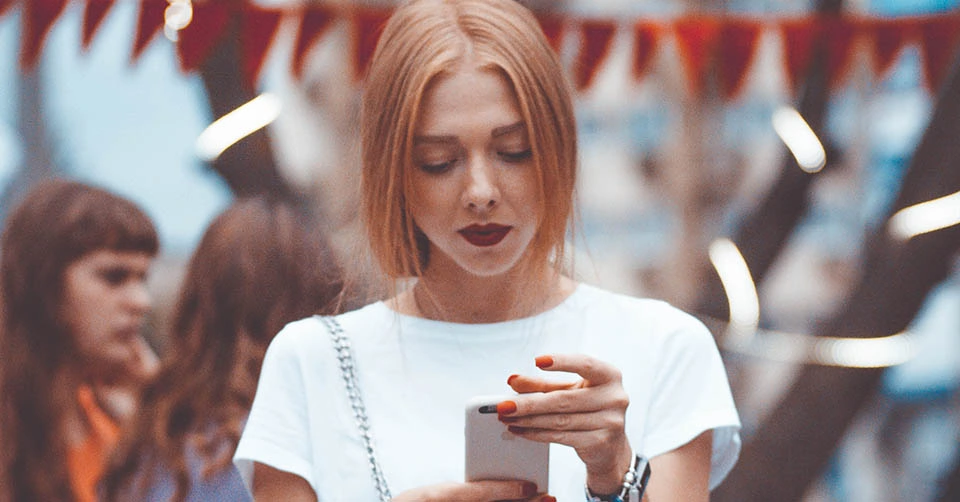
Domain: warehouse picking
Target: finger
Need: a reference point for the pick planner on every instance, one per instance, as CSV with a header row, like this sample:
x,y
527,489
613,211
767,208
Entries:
x,y
593,370
578,400
569,422
490,490
527,385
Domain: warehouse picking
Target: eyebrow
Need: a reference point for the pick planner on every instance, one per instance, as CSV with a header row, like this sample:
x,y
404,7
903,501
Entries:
x,y
444,139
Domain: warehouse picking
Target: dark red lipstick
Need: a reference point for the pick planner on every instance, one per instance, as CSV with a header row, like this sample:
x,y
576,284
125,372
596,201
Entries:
x,y
485,235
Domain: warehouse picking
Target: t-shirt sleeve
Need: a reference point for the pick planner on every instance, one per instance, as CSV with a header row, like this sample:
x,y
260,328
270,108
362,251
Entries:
x,y
277,431
692,395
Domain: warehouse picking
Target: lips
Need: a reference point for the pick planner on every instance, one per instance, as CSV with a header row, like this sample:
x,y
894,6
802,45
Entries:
x,y
485,235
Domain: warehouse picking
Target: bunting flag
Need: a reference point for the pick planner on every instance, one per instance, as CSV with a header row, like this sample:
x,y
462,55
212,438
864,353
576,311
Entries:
x,y
38,18
939,38
712,49
646,38
798,37
149,22
4,5
313,23
367,26
838,34
737,47
199,37
258,25
553,29
697,42
597,36
93,15
889,37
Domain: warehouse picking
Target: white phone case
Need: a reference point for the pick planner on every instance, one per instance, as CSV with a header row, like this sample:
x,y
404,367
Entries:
x,y
493,452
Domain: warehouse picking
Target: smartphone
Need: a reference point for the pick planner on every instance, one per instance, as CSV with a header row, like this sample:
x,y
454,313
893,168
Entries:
x,y
493,452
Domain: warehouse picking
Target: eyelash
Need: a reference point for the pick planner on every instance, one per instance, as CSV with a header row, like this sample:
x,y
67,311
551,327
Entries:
x,y
510,157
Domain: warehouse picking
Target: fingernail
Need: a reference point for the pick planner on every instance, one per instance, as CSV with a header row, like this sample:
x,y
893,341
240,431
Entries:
x,y
506,408
528,490
544,362
548,498
515,429
511,379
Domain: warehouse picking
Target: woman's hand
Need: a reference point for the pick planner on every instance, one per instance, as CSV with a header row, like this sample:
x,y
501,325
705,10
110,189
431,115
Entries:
x,y
588,415
475,491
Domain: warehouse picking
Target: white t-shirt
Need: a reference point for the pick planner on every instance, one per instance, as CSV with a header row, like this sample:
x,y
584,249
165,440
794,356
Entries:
x,y
416,376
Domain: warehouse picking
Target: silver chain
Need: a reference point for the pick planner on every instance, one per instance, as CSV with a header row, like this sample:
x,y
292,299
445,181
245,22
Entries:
x,y
348,370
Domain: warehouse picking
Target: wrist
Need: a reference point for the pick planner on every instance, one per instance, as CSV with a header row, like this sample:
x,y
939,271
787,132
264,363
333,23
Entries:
x,y
632,485
609,479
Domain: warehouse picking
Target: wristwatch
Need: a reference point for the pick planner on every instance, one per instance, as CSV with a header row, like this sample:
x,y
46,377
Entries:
x,y
634,483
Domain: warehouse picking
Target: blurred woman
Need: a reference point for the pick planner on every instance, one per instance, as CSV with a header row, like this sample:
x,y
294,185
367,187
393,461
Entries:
x,y
73,301
257,268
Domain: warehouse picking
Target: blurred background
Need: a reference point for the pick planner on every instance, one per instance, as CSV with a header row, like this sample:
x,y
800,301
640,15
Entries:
x,y
787,170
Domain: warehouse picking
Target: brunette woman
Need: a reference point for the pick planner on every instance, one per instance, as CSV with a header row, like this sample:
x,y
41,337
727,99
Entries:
x,y
258,267
73,301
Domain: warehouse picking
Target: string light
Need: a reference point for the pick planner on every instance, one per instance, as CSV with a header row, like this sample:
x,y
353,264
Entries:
x,y
925,217
236,125
800,139
177,16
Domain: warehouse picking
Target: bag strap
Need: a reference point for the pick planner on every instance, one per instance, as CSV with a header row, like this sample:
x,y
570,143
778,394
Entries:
x,y
349,373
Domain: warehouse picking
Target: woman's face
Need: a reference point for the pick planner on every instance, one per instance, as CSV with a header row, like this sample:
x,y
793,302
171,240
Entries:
x,y
105,303
474,182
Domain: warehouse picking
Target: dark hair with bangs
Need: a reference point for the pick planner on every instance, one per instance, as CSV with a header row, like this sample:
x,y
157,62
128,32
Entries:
x,y
57,222
259,265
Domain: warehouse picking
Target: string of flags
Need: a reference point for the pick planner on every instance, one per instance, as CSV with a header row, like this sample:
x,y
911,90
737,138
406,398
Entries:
x,y
719,46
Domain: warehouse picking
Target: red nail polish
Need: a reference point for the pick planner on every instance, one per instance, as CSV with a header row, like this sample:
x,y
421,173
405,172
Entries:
x,y
529,489
544,362
548,498
516,430
511,379
506,408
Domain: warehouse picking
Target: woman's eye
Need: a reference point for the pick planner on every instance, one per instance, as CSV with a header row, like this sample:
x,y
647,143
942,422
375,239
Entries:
x,y
436,168
519,156
114,276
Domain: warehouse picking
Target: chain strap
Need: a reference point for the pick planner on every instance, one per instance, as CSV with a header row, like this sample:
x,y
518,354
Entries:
x,y
348,370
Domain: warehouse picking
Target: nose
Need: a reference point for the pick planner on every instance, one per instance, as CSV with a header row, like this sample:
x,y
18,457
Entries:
x,y
138,297
481,192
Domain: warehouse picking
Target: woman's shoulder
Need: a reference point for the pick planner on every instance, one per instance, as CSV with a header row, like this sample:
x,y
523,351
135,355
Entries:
x,y
629,306
313,330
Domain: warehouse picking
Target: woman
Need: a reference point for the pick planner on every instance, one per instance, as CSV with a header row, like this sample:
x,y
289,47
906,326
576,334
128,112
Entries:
x,y
257,267
469,160
73,301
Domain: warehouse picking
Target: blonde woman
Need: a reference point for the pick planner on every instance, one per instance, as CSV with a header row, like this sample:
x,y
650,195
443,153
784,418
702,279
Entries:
x,y
469,167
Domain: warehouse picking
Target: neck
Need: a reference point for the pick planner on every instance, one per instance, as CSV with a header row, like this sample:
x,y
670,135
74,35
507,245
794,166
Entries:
x,y
472,300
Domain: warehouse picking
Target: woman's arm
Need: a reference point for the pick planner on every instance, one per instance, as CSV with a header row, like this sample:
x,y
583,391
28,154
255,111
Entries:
x,y
682,474
271,484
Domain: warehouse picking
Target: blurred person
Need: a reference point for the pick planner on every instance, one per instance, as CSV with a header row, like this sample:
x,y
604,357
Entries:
x,y
469,155
73,302
257,267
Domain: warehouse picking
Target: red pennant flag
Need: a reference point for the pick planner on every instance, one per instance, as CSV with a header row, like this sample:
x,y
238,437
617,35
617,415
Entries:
x,y
939,37
199,37
553,29
839,34
313,23
738,46
646,37
889,37
367,26
149,22
597,37
258,26
38,18
93,15
4,5
697,41
798,37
